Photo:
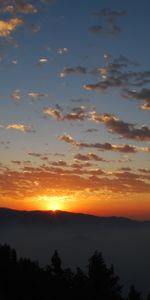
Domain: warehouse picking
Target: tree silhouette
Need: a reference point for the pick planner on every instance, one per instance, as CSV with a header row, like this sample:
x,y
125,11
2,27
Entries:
x,y
102,279
56,264
134,294
23,279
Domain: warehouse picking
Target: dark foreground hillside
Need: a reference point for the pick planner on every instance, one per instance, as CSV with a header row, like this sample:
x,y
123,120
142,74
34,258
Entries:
x,y
123,242
23,279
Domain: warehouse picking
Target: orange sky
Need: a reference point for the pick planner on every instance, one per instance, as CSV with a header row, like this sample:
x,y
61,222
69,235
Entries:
x,y
75,106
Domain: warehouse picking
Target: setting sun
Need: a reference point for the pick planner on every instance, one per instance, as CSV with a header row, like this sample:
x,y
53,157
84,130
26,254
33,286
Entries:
x,y
52,202
55,206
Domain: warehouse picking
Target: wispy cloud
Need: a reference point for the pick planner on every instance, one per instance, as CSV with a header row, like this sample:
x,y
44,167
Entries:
x,y
20,127
109,13
36,96
99,146
63,50
111,29
17,6
89,156
109,18
143,94
69,70
125,130
15,95
77,114
42,60
54,112
146,105
116,74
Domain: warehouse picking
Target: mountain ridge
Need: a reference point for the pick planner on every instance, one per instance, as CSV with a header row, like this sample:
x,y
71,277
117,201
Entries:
x,y
123,242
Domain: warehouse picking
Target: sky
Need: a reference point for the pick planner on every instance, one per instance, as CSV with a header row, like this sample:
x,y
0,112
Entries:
x,y
75,106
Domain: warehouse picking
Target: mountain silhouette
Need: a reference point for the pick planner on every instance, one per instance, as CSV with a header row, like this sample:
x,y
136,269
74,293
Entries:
x,y
124,242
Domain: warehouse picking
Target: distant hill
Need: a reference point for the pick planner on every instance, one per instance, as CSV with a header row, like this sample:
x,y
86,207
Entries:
x,y
123,242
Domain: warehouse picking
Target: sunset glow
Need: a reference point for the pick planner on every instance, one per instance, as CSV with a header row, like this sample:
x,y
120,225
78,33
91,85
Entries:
x,y
75,107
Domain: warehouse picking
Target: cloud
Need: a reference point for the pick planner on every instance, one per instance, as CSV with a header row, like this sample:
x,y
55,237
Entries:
x,y
69,70
25,8
116,75
7,27
97,29
110,30
36,96
34,154
63,50
31,181
80,100
77,114
54,112
68,139
15,95
35,28
16,162
144,94
146,171
126,169
101,147
146,105
125,130
59,163
17,6
107,12
92,130
101,86
109,18
42,60
20,127
38,155
87,157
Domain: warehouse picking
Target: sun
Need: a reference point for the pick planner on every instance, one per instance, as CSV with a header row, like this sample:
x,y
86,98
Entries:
x,y
55,206
53,203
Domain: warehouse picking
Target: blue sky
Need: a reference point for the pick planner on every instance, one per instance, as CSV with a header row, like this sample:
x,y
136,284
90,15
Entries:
x,y
75,74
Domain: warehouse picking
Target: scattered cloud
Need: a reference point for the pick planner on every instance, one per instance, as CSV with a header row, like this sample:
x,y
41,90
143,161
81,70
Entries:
x,y
146,171
34,154
101,86
68,139
89,156
79,113
111,29
92,130
81,100
54,112
20,127
116,74
109,13
16,162
146,105
17,6
34,28
125,130
15,95
143,94
101,147
42,60
36,96
63,50
59,163
109,18
7,27
69,70
30,181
